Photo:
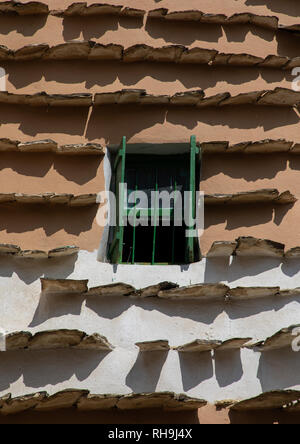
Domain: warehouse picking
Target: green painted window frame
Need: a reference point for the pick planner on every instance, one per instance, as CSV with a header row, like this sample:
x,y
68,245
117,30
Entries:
x,y
119,176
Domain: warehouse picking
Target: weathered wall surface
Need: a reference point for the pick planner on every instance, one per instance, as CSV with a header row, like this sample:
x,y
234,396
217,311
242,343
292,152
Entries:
x,y
226,375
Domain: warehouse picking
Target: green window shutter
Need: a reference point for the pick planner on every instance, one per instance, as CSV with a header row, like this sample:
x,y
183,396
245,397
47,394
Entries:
x,y
191,242
116,249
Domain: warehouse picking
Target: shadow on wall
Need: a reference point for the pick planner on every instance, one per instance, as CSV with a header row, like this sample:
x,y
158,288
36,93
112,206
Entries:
x,y
50,367
27,25
78,169
289,7
145,373
92,74
98,26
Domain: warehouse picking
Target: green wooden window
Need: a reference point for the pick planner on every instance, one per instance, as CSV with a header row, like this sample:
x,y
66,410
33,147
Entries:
x,y
154,243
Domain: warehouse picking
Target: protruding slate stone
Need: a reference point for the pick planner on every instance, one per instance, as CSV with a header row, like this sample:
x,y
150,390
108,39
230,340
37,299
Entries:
x,y
244,293
249,98
63,251
115,289
38,146
269,146
213,100
83,200
199,346
197,291
163,400
60,199
183,402
81,9
8,145
198,56
244,60
61,400
30,52
153,290
251,246
187,98
149,346
7,198
55,339
5,53
30,198
280,97
69,51
267,401
64,286
233,344
290,292
222,249
27,8
281,339
9,249
22,403
81,149
32,254
286,198
214,147
256,196
274,61
97,402
95,342
293,253
165,54
192,15
18,340
105,52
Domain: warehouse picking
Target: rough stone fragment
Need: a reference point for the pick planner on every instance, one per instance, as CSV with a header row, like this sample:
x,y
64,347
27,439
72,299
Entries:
x,y
81,149
280,97
19,8
244,293
69,51
256,196
199,346
293,63
244,60
243,99
222,249
95,342
8,145
83,99
293,253
214,147
187,98
55,339
213,100
269,146
63,251
239,19
5,53
267,401
165,54
61,199
274,61
291,292
151,99
107,98
30,52
183,402
82,9
129,96
265,21
116,289
136,53
7,198
192,15
13,99
83,200
30,198
233,344
97,402
32,254
221,59
18,340
251,246
286,198
133,12
106,52
61,400
198,55
64,286
37,146
214,19
9,249
283,338
158,13
238,147
197,291
153,290
149,346
22,403
4,399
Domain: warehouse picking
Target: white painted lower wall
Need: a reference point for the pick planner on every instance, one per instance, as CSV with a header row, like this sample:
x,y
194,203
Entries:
x,y
124,321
